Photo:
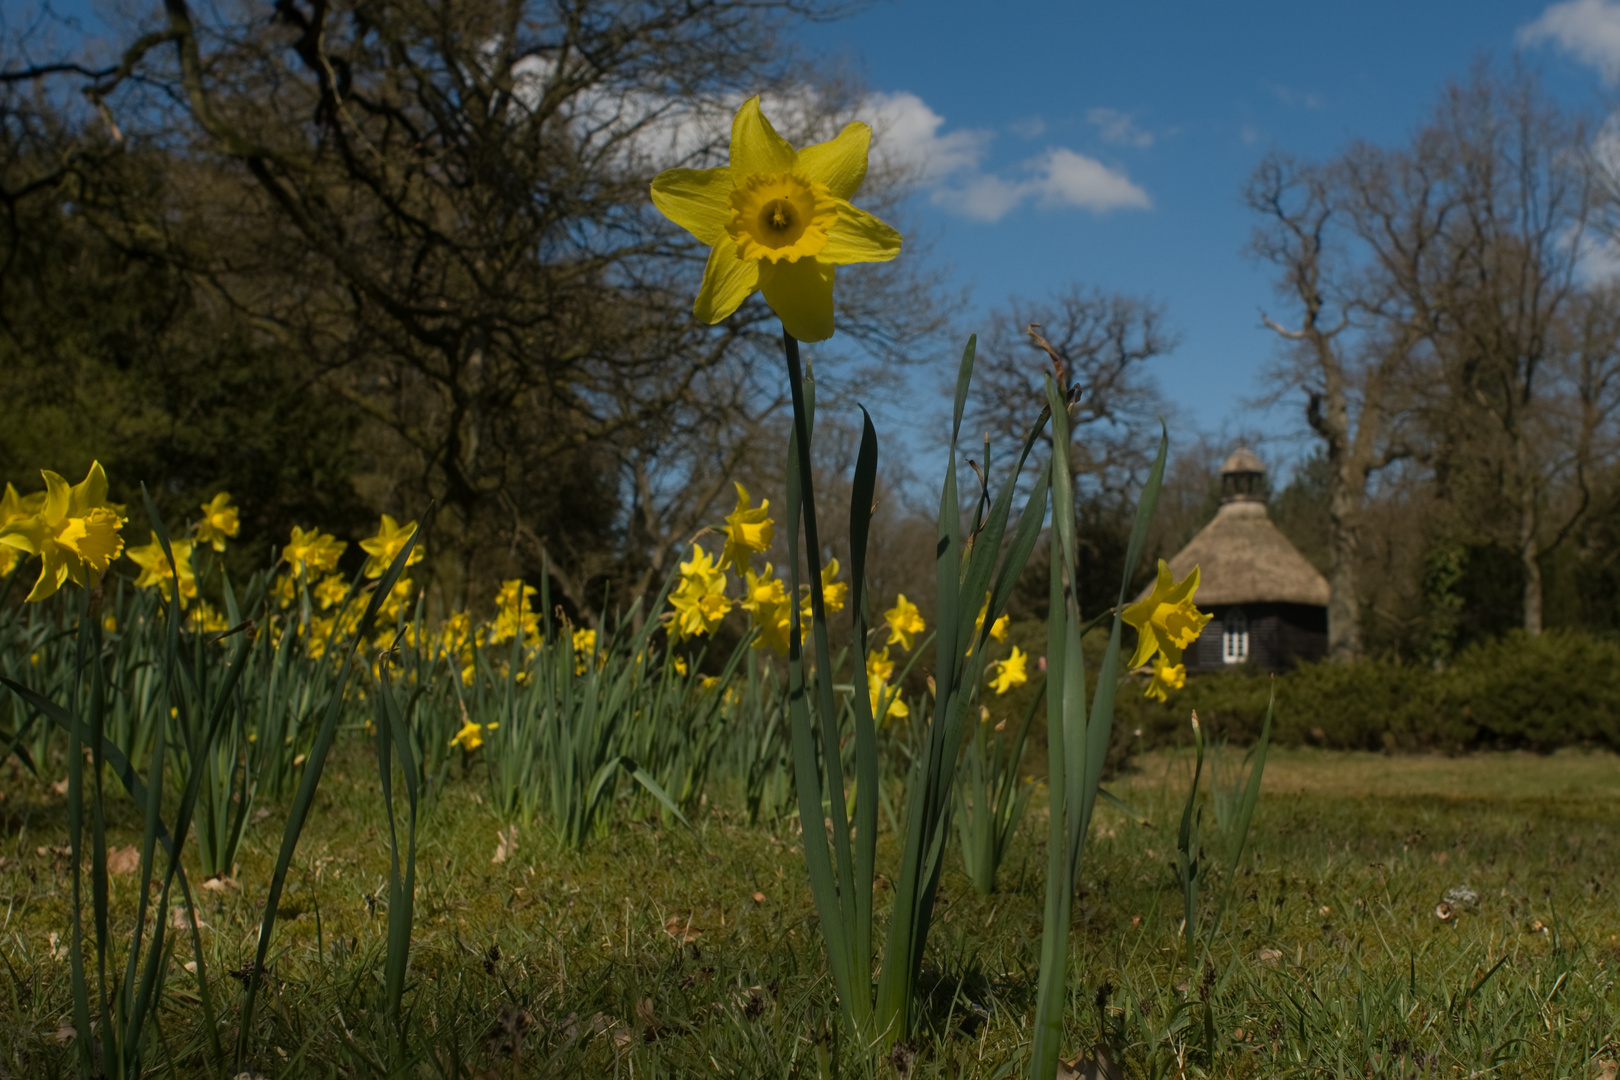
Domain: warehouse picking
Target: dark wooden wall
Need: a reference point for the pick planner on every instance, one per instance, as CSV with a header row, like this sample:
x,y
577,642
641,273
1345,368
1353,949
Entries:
x,y
1280,636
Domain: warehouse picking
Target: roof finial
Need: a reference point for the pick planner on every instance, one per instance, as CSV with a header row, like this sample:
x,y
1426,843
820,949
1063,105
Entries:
x,y
1243,477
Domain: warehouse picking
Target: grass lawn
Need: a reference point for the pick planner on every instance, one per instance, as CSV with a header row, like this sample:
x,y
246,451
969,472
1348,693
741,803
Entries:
x,y
662,952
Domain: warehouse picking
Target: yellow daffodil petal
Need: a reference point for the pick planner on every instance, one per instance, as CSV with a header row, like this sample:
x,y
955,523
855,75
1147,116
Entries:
x,y
755,145
1188,586
698,200
56,498
801,294
840,162
859,237
89,492
727,281
1146,646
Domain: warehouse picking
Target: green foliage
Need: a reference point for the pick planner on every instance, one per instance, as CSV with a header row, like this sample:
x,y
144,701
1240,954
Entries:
x,y
1561,688
991,796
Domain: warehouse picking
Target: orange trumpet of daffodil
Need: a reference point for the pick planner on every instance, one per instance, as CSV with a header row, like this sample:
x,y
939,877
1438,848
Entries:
x,y
778,220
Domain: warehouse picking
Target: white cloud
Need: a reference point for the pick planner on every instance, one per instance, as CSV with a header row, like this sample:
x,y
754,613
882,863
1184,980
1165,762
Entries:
x,y
909,134
1065,178
1589,29
1058,178
906,133
1118,127
985,197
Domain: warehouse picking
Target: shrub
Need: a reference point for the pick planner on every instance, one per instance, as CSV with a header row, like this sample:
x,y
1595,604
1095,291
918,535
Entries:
x,y
1518,691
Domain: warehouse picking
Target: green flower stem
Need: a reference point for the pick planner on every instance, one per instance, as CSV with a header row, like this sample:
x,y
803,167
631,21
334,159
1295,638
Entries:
x,y
843,903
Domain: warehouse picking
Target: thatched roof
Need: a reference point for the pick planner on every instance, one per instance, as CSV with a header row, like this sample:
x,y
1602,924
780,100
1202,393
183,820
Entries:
x,y
1244,559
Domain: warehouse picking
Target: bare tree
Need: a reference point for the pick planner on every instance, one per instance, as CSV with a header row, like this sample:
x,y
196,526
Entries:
x,y
443,205
1336,356
1443,316
1104,342
1477,230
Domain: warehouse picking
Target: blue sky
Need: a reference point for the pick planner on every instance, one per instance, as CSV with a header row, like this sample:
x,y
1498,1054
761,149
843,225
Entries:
x,y
1109,143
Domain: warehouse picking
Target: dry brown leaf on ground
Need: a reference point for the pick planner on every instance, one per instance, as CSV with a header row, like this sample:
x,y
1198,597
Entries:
x,y
178,920
505,844
680,928
1086,1067
123,860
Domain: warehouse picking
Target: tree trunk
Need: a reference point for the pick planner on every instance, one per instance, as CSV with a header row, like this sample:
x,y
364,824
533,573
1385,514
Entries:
x,y
1530,556
1329,416
1344,604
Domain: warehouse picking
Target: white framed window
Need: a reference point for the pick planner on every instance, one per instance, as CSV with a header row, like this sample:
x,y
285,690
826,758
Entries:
x,y
1234,636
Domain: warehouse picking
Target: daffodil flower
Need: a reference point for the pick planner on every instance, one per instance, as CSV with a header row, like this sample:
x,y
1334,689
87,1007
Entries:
x,y
748,528
777,220
879,666
998,629
512,613
834,593
155,570
75,532
584,648
15,508
1167,676
1166,620
1011,672
331,590
471,736
208,620
904,621
700,601
219,521
767,603
886,701
394,604
311,550
390,540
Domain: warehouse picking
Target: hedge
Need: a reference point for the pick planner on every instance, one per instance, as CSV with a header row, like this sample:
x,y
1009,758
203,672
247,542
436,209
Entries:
x,y
1538,693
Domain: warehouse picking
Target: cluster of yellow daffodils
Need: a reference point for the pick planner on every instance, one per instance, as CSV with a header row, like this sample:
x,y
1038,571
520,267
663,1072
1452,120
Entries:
x,y
310,559
700,602
513,615
1166,622
584,649
778,221
77,534
73,530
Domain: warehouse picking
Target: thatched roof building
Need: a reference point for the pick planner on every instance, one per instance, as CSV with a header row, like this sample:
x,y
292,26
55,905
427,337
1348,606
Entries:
x,y
1269,602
